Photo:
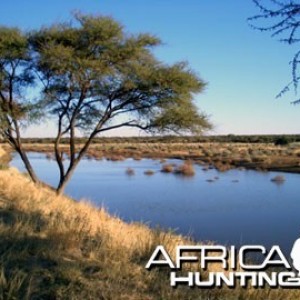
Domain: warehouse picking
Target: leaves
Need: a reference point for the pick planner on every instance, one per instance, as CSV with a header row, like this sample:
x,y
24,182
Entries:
x,y
94,72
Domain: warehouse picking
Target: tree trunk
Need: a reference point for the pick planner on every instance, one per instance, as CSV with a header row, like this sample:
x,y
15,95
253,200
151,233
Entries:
x,y
28,166
64,179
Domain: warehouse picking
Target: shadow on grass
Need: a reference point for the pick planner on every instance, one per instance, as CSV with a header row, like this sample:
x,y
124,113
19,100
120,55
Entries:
x,y
38,261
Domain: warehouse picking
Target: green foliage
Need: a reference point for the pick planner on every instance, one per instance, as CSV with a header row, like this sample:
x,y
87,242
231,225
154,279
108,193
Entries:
x,y
94,72
16,77
13,45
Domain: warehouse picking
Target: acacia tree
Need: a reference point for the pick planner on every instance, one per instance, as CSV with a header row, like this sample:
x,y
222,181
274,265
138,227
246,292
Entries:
x,y
16,76
95,78
282,19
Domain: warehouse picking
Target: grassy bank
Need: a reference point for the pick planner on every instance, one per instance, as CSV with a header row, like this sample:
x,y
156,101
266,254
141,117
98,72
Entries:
x,y
55,248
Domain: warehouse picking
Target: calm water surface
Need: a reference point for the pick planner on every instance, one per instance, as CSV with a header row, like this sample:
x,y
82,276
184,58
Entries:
x,y
253,210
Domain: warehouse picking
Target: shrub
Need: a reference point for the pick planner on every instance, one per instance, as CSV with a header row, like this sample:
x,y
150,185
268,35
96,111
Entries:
x,y
116,158
149,172
281,141
185,169
167,168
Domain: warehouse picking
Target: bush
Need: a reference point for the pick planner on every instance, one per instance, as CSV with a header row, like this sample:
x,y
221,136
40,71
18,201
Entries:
x,y
167,168
282,141
185,169
149,172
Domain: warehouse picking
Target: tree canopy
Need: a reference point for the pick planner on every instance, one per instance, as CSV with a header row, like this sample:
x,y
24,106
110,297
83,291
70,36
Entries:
x,y
282,19
94,77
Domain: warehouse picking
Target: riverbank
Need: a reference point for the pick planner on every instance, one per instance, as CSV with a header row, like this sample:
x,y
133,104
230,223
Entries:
x,y
223,156
56,248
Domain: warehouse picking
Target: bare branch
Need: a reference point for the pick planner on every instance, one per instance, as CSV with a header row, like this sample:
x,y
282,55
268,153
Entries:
x,y
285,17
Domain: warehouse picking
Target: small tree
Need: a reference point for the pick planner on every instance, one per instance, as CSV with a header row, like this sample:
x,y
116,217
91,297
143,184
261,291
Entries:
x,y
282,19
96,78
16,76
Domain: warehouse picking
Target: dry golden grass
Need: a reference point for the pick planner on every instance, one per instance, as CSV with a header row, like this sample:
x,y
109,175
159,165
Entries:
x,y
2,152
23,193
73,235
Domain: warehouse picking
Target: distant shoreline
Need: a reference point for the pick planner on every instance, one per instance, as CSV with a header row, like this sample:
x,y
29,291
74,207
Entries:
x,y
223,156
229,138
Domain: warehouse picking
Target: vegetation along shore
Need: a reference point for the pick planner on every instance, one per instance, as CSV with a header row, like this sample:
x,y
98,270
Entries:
x,y
264,153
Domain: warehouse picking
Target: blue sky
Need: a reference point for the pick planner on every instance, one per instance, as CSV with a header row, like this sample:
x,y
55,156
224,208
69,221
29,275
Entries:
x,y
245,69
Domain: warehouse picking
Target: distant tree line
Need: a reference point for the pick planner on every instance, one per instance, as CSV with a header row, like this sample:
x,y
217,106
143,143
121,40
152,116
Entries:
x,y
231,138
